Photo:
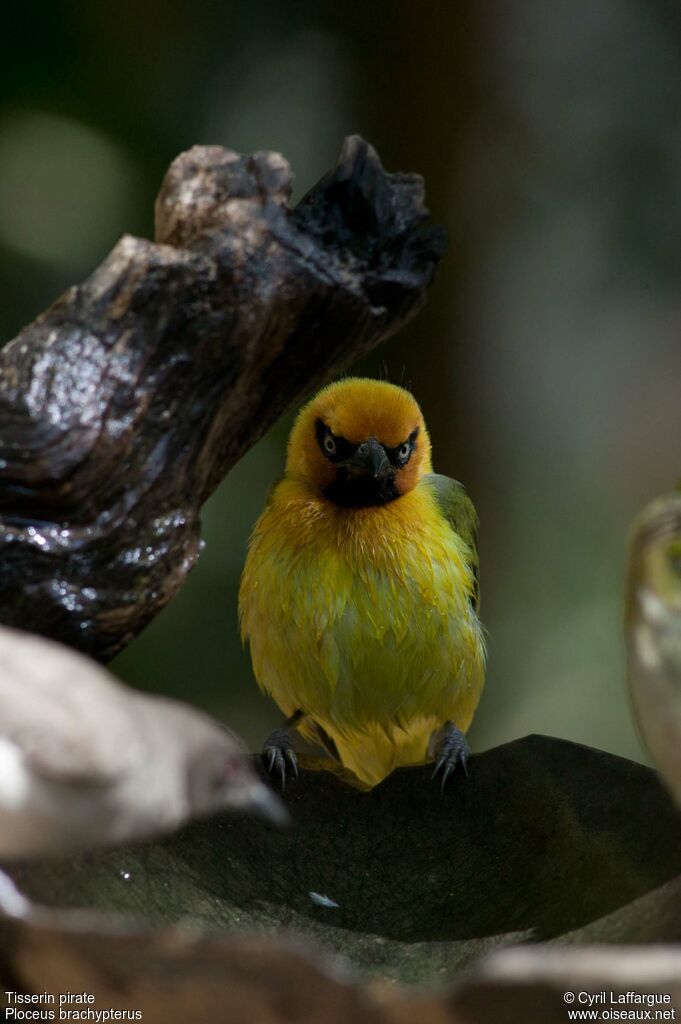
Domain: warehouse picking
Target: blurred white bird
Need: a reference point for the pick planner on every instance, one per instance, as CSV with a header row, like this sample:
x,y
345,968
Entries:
x,y
86,761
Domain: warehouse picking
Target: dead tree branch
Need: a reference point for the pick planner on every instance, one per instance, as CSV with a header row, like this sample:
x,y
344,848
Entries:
x,y
125,404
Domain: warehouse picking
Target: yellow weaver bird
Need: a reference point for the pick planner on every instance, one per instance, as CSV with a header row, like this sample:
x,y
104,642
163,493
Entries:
x,y
359,594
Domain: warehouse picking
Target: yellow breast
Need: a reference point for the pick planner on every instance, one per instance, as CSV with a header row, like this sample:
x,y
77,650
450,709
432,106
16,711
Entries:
x,y
362,619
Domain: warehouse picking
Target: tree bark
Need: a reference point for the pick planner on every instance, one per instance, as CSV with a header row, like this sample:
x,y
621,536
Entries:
x,y
123,406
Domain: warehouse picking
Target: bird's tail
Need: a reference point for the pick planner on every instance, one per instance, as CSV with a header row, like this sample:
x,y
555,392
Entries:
x,y
372,753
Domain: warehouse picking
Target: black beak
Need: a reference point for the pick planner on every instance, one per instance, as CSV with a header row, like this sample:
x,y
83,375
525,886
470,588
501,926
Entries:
x,y
369,460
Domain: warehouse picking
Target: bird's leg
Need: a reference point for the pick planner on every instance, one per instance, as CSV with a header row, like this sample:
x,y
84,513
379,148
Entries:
x,y
326,741
449,749
278,749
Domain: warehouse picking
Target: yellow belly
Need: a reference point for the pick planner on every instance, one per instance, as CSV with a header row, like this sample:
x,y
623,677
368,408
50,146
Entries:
x,y
361,618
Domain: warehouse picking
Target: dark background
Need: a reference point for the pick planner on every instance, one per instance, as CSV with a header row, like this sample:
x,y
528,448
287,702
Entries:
x,y
548,359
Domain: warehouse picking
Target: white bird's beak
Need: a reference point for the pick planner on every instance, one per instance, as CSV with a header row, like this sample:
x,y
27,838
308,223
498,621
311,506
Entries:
x,y
257,798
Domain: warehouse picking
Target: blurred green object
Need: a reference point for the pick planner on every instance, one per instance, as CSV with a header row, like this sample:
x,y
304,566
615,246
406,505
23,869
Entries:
x,y
547,360
653,628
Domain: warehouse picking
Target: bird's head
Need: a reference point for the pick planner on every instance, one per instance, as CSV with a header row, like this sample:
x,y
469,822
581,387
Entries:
x,y
360,442
221,777
210,766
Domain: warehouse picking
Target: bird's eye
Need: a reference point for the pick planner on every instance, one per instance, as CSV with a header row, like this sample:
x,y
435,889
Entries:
x,y
226,770
329,445
404,451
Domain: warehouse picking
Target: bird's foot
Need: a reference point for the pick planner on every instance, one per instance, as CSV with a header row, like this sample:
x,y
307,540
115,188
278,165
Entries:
x,y
278,754
449,749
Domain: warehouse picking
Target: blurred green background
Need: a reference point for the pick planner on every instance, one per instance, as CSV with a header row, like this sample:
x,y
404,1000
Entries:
x,y
548,359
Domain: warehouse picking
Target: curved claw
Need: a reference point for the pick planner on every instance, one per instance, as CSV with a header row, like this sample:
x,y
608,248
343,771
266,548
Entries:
x,y
278,748
451,750
292,759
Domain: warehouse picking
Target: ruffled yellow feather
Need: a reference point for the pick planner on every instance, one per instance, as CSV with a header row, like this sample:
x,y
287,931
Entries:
x,y
361,617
